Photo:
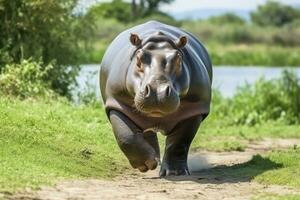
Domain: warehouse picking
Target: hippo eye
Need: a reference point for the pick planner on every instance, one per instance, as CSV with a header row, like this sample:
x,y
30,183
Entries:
x,y
146,58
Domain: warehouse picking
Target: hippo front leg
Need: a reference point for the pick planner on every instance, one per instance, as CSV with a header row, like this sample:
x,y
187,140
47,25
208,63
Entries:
x,y
130,138
177,147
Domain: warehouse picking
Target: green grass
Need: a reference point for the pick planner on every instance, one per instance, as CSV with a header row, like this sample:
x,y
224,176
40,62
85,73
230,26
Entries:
x,y
278,167
216,135
277,197
42,142
288,173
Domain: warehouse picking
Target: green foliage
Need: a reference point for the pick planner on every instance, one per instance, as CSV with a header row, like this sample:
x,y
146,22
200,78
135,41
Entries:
x,y
274,14
229,39
230,33
38,29
28,79
117,9
266,100
227,18
127,12
259,55
45,30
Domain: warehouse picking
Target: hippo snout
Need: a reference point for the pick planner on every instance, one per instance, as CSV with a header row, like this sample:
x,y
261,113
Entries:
x,y
157,100
162,92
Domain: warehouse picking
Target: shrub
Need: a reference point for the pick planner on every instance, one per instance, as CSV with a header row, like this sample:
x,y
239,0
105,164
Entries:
x,y
27,79
276,99
42,30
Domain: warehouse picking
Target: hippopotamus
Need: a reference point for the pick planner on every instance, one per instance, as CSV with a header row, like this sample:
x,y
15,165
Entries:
x,y
156,78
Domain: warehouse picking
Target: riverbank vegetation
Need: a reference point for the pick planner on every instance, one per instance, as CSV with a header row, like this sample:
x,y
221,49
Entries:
x,y
45,137
62,35
266,40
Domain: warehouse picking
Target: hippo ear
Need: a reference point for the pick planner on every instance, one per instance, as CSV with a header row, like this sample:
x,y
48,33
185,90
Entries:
x,y
181,42
135,39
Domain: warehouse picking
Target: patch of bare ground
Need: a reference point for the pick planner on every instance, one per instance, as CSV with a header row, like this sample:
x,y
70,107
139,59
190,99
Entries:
x,y
206,182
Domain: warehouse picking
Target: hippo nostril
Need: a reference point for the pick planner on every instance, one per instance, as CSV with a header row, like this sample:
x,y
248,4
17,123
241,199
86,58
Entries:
x,y
147,91
168,91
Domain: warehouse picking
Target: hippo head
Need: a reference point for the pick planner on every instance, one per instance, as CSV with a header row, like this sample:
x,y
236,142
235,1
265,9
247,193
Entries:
x,y
160,80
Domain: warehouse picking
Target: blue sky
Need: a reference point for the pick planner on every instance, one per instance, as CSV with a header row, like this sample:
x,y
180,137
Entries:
x,y
185,5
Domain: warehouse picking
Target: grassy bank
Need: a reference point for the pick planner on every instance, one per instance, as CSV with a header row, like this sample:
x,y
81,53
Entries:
x,y
214,135
45,141
278,167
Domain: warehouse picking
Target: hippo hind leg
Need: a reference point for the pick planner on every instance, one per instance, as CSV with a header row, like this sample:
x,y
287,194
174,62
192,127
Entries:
x,y
131,141
177,147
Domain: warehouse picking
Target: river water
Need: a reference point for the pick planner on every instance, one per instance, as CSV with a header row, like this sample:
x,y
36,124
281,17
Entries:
x,y
226,78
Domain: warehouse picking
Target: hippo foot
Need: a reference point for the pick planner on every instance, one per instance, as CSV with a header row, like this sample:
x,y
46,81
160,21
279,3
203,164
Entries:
x,y
143,165
175,168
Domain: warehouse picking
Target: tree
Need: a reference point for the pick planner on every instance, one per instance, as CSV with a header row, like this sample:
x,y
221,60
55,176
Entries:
x,y
274,14
116,9
41,30
126,12
226,19
148,7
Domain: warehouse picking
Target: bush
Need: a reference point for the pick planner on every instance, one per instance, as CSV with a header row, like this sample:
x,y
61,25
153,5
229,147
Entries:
x,y
42,30
28,79
276,99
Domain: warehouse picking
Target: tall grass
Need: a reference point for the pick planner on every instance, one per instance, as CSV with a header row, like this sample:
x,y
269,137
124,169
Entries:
x,y
254,54
247,33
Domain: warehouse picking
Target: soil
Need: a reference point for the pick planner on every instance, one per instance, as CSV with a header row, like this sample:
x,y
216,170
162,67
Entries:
x,y
207,181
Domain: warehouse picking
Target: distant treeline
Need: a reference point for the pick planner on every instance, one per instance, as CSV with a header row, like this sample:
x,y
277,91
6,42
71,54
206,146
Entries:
x,y
272,37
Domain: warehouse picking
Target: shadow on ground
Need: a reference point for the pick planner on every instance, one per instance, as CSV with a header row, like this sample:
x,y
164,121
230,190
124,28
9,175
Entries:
x,y
242,172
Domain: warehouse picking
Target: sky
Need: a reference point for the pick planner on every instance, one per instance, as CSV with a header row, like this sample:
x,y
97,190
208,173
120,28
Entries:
x,y
186,5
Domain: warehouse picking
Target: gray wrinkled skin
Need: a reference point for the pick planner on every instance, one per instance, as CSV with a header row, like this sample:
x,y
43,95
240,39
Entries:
x,y
155,77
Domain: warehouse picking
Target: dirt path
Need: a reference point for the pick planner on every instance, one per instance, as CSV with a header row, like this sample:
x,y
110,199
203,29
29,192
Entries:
x,y
208,181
